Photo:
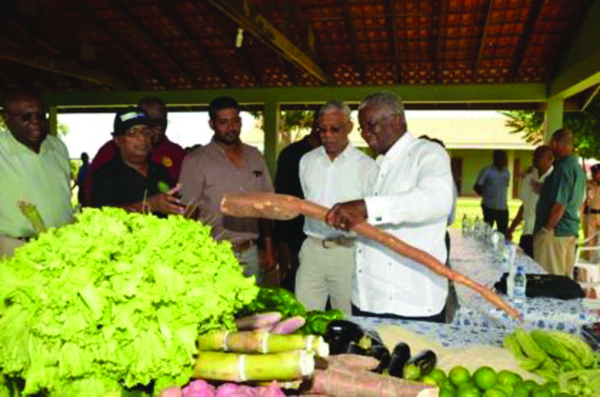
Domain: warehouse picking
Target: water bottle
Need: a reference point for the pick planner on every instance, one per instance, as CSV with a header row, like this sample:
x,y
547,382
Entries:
x,y
465,225
519,283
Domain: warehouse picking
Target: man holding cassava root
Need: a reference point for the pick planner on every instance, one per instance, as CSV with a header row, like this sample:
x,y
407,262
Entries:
x,y
411,199
226,165
334,172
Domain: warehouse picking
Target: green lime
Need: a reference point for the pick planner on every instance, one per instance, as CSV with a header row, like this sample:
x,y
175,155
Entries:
x,y
552,386
530,384
439,376
459,375
429,380
446,392
484,378
507,389
448,385
508,378
493,392
468,390
541,392
520,391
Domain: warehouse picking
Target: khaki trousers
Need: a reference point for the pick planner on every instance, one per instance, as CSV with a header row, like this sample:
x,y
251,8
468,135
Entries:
x,y
325,273
555,254
8,245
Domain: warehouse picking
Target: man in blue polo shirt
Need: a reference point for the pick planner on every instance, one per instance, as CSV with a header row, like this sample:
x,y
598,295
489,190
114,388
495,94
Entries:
x,y
491,185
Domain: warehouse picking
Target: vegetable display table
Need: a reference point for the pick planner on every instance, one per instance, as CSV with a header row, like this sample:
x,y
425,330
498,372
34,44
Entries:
x,y
472,258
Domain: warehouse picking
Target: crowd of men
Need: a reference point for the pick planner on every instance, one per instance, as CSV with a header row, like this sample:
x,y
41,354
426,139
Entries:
x,y
407,191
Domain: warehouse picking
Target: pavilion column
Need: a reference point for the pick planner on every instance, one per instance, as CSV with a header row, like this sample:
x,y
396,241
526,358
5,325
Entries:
x,y
271,124
53,120
554,117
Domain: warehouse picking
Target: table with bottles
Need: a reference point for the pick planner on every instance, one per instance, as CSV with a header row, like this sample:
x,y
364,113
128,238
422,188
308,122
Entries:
x,y
482,254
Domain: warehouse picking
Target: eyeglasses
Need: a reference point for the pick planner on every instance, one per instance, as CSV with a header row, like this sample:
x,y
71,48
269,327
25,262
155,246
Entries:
x,y
334,129
158,124
28,117
139,133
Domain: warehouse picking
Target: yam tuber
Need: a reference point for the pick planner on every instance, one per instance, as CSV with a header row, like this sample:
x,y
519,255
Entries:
x,y
284,207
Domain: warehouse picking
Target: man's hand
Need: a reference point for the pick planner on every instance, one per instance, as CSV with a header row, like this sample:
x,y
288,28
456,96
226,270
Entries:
x,y
509,234
166,203
346,215
284,258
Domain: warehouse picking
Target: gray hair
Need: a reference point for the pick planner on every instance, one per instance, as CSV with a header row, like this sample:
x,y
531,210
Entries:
x,y
335,106
387,99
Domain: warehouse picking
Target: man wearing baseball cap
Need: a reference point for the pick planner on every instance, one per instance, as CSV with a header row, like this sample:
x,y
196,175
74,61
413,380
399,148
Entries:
x,y
131,180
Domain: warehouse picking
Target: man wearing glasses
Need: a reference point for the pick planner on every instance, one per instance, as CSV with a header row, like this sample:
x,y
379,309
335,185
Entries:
x,y
332,173
34,167
131,180
164,151
411,199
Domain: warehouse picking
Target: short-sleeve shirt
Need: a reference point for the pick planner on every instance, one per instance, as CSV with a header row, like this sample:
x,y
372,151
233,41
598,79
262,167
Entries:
x,y
207,174
565,186
494,183
530,198
117,184
349,176
42,179
167,153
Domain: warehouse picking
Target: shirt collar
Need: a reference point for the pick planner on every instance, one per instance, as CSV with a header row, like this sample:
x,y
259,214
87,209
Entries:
x,y
15,146
397,149
345,153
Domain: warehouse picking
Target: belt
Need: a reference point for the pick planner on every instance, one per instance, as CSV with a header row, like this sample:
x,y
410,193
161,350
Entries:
x,y
243,246
339,241
593,211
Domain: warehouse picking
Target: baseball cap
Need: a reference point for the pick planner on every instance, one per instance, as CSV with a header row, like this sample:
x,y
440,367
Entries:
x,y
129,117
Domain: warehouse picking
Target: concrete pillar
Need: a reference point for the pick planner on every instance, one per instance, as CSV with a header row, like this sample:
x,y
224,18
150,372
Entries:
x,y
271,127
53,120
554,118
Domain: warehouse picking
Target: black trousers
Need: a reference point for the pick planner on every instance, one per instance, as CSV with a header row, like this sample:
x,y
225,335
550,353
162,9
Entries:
x,y
500,217
438,318
526,244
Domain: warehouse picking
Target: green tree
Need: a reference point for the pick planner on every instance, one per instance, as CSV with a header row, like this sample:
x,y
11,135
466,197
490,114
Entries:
x,y
294,124
585,126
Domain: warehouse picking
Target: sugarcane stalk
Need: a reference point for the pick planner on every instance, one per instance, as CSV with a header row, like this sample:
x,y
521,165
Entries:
x,y
261,342
285,207
236,367
32,214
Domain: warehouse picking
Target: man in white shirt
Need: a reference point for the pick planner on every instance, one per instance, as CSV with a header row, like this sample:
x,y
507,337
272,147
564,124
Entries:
x,y
411,199
491,185
532,183
334,172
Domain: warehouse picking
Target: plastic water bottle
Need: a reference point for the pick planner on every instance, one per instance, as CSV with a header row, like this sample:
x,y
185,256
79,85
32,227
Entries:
x,y
465,225
519,283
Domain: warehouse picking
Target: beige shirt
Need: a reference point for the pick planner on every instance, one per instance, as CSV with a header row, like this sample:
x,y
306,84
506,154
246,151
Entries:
x,y
207,174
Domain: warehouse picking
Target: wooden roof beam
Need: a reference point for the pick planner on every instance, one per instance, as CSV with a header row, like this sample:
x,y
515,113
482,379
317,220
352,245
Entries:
x,y
533,17
440,37
351,30
151,38
245,15
72,69
166,8
483,38
390,10
117,41
579,68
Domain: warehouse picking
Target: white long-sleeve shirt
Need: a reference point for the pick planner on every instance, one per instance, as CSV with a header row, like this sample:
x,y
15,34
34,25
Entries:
x,y
348,177
411,199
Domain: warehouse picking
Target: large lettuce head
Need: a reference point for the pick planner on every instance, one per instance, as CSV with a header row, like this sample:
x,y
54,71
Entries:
x,y
115,300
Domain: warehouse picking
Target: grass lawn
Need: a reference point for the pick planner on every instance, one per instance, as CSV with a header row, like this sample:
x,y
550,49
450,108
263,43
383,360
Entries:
x,y
472,207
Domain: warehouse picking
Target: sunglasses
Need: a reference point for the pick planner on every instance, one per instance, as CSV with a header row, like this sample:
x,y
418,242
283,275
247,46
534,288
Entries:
x,y
28,117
